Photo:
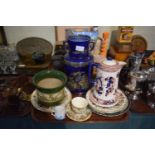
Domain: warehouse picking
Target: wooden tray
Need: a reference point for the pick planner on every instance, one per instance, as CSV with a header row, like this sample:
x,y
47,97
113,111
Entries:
x,y
140,106
47,117
23,109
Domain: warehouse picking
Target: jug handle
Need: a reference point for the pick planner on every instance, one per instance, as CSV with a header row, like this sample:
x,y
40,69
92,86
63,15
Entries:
x,y
94,43
90,69
91,45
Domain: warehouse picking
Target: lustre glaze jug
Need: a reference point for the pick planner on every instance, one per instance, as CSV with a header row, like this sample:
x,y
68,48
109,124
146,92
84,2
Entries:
x,y
107,77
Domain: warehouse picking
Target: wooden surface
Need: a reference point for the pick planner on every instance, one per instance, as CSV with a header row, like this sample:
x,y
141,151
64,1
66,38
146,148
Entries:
x,y
118,55
123,47
29,64
47,117
140,106
19,110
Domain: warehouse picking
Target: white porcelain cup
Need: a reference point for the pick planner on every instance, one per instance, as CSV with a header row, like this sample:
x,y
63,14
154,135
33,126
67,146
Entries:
x,y
59,112
79,104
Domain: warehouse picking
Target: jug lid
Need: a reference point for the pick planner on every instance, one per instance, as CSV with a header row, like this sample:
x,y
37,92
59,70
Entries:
x,y
111,65
109,61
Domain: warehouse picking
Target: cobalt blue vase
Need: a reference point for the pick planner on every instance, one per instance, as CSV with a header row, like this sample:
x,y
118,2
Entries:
x,y
77,72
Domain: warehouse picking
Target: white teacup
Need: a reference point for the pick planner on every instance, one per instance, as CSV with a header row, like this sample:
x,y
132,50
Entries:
x,y
59,112
79,105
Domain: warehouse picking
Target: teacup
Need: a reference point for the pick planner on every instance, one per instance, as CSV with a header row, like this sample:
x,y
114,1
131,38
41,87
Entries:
x,y
53,94
59,112
79,105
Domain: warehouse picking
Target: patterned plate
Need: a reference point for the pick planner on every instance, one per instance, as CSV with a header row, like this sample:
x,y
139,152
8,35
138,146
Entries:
x,y
120,108
34,101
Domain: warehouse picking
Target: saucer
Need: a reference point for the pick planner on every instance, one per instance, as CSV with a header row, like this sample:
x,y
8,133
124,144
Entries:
x,y
78,117
34,101
120,108
102,103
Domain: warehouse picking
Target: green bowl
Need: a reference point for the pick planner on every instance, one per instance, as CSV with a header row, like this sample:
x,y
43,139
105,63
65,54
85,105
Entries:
x,y
49,96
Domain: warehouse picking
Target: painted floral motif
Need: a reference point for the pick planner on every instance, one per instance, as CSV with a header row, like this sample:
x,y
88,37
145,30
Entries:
x,y
53,97
105,83
78,80
99,85
78,117
110,85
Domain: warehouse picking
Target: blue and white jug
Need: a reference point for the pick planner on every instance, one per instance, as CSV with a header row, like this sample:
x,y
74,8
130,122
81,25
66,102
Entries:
x,y
107,77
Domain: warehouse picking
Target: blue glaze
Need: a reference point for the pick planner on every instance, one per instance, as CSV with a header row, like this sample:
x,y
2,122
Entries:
x,y
109,58
79,46
77,72
109,85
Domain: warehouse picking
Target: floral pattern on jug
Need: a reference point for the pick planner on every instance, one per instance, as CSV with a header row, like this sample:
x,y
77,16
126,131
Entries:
x,y
99,85
106,85
107,77
110,85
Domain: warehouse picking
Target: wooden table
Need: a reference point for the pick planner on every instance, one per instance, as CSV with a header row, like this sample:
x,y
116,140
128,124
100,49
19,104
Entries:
x,y
47,117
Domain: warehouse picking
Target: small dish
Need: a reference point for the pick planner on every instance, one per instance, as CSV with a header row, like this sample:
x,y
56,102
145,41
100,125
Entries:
x,y
76,116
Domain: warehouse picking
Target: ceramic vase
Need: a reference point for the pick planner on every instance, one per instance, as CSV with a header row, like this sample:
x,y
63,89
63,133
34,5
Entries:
x,y
77,72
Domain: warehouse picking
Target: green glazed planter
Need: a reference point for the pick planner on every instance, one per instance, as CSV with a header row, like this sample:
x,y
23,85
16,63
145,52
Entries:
x,y
49,96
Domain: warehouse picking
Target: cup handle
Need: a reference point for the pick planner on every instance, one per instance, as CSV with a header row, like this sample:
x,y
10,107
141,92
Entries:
x,y
90,69
52,113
